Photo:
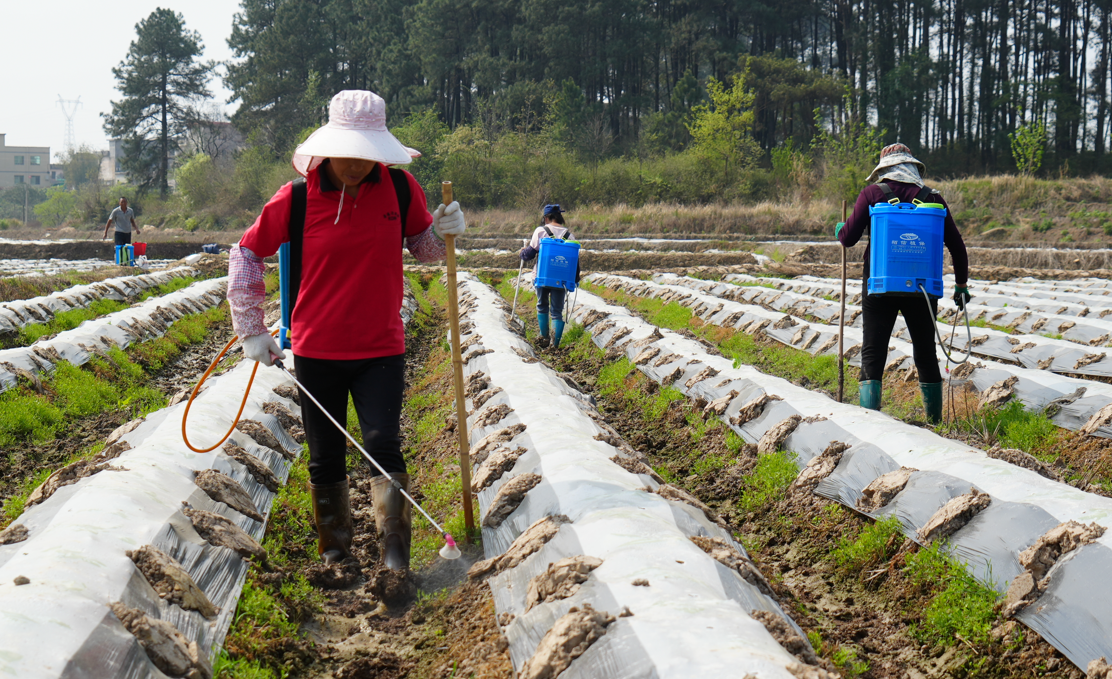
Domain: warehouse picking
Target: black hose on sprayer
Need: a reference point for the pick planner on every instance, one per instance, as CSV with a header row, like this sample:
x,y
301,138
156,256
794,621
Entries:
x,y
968,331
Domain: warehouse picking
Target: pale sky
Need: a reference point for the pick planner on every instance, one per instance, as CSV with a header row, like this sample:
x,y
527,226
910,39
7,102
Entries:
x,y
69,47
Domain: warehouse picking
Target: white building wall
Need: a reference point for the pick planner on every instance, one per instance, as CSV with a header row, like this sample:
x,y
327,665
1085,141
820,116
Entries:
x,y
24,164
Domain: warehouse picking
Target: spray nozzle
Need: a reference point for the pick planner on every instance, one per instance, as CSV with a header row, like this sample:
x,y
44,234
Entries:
x,y
449,550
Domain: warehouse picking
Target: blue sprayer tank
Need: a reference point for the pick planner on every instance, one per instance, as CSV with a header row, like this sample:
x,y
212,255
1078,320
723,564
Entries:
x,y
557,263
284,296
125,255
905,248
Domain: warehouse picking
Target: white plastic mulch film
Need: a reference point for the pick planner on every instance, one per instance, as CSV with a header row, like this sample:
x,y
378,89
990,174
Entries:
x,y
687,614
137,323
19,313
1071,402
74,555
1074,613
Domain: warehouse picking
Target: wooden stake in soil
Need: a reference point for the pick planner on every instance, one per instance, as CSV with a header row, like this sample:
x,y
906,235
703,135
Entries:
x,y
457,374
842,320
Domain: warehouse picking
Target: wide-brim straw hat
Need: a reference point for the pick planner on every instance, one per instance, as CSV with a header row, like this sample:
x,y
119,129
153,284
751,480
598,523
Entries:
x,y
890,156
356,129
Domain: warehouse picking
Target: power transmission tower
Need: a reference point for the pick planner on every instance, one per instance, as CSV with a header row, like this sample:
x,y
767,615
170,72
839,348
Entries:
x,y
69,109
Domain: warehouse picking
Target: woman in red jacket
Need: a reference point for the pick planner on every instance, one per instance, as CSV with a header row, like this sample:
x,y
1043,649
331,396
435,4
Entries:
x,y
347,333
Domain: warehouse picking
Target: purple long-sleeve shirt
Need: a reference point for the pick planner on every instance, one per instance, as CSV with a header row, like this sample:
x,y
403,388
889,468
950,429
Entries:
x,y
858,221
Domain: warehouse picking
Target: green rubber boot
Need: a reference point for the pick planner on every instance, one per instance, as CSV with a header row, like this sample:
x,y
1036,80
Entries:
x,y
542,321
870,394
557,333
932,401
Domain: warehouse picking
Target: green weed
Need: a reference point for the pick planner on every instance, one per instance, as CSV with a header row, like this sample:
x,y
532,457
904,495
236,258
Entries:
x,y
846,658
961,606
225,667
874,544
768,481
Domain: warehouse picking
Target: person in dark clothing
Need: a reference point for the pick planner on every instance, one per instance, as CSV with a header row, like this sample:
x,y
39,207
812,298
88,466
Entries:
x,y
901,172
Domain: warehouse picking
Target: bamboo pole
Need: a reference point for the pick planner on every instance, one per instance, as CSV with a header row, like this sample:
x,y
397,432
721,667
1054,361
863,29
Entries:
x,y
457,378
842,321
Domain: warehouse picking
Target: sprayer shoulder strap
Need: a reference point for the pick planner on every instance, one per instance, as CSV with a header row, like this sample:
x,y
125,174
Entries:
x,y
300,195
567,234
890,196
297,222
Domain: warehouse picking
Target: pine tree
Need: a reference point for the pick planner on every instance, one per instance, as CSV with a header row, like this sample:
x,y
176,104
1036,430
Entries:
x,y
158,79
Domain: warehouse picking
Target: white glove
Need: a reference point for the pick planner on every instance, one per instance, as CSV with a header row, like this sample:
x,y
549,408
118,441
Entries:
x,y
448,221
262,348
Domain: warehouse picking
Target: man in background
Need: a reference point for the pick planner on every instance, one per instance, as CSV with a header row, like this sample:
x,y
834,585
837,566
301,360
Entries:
x,y
124,219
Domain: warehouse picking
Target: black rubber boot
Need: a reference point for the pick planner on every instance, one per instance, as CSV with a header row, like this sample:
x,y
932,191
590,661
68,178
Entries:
x,y
932,401
332,513
393,519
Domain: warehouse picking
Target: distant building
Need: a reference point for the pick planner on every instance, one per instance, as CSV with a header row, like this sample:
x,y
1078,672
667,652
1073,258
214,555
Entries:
x,y
58,174
111,163
21,165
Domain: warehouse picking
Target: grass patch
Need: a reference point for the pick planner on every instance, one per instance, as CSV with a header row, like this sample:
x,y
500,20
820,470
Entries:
x,y
874,544
961,607
1011,427
767,482
799,367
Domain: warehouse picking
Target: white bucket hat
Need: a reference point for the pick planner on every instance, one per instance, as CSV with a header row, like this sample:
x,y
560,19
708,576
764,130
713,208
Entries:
x,y
893,155
356,129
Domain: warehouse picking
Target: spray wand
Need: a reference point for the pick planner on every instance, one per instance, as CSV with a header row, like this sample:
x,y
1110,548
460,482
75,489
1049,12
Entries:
x,y
449,550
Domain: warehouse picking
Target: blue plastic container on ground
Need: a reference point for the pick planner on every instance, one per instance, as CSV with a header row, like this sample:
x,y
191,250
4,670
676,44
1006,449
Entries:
x,y
557,263
125,255
905,250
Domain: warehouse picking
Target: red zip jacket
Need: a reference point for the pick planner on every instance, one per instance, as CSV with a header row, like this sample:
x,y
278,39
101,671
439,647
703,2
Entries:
x,y
350,299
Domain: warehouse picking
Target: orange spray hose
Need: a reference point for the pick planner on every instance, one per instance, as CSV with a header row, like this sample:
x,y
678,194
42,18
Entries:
x,y
197,390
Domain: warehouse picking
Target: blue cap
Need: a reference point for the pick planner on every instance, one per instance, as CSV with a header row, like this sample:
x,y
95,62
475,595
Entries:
x,y
553,209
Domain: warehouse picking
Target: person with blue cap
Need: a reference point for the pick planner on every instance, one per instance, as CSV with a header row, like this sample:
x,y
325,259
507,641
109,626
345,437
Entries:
x,y
549,300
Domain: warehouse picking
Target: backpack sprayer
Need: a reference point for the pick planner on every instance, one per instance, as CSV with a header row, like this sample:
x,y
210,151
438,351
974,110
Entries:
x,y
449,550
557,266
905,255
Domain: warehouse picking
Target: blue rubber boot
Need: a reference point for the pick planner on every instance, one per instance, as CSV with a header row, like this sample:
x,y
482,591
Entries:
x,y
870,394
542,321
557,333
932,401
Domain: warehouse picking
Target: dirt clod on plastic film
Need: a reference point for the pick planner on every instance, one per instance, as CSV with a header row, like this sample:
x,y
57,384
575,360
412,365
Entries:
x,y
883,488
508,498
560,580
172,582
531,540
568,639
167,648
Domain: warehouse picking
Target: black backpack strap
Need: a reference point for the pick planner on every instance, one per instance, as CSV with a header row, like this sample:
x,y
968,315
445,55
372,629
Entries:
x,y
300,196
405,196
547,230
889,195
924,194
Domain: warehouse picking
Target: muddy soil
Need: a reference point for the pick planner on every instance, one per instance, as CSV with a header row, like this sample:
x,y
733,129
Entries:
x,y
870,617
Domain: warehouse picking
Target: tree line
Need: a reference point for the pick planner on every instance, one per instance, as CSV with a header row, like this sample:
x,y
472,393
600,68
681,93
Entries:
x,y
665,100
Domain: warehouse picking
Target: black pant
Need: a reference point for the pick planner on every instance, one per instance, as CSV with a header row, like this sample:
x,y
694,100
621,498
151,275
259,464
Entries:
x,y
123,238
376,386
879,319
